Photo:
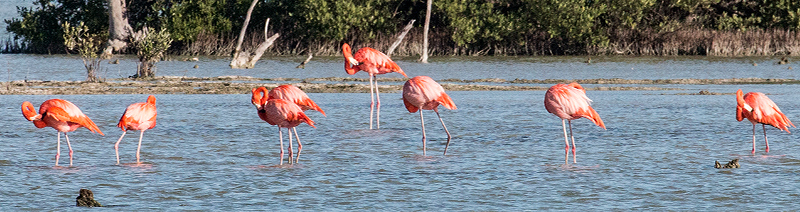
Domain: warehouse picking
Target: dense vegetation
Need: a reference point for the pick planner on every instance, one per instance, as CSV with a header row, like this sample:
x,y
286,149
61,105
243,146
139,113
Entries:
x,y
459,27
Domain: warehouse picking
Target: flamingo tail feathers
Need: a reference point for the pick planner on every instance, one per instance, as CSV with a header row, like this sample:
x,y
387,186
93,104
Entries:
x,y
780,121
306,102
591,114
302,117
445,101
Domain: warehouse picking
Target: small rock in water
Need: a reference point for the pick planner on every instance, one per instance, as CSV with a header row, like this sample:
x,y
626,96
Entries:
x,y
196,66
86,199
114,62
731,165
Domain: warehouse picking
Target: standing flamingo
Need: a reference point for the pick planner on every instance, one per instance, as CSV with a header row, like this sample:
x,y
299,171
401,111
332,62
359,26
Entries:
x,y
569,102
297,96
373,62
61,115
138,116
758,108
421,92
279,112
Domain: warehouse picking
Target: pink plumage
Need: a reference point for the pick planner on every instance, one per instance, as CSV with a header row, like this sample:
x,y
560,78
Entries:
x,y
421,92
373,62
758,108
569,102
61,115
138,116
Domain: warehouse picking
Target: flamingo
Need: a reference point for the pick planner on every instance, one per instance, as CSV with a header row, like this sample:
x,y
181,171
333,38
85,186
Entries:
x,y
61,115
758,108
373,62
297,96
569,102
279,112
421,92
138,116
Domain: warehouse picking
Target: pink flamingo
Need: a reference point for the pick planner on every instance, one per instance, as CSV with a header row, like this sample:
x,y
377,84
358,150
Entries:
x,y
279,112
138,116
373,62
297,96
61,115
758,108
569,102
421,92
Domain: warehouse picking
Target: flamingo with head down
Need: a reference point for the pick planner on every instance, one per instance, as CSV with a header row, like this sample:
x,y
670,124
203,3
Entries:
x,y
282,113
422,93
569,102
61,115
138,116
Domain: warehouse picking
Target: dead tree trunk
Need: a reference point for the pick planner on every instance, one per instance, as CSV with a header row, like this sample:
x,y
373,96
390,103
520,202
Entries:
x,y
244,59
424,58
119,29
400,37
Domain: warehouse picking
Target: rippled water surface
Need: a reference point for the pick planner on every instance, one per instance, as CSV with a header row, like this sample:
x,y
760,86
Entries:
x,y
213,152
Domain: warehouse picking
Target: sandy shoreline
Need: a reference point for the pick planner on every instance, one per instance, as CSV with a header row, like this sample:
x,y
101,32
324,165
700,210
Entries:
x,y
243,84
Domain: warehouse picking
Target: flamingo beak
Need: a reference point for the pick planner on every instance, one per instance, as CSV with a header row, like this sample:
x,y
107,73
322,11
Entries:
x,y
258,107
36,117
353,61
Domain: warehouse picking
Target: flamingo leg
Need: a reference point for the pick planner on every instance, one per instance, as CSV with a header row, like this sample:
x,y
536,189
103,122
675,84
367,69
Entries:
x,y
377,96
445,130
141,133
58,146
372,101
566,141
754,140
291,156
422,122
765,135
280,134
116,145
573,142
70,148
299,145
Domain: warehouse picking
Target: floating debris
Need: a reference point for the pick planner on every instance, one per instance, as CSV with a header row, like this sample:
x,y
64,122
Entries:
x,y
86,199
734,164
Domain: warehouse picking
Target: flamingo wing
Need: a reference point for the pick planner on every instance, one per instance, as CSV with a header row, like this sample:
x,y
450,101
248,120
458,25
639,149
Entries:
x,y
65,111
570,102
295,95
765,111
423,92
382,63
285,114
138,116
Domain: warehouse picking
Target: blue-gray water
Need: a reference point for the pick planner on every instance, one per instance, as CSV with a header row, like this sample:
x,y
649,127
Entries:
x,y
211,152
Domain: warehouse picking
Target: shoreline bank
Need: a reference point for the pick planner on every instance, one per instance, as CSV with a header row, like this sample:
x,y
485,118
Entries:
x,y
243,85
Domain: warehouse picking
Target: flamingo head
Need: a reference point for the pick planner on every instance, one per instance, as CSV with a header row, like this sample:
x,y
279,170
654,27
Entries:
x,y
740,101
259,97
30,112
347,52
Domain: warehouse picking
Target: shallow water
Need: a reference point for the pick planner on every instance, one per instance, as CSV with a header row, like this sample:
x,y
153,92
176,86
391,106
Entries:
x,y
213,152
59,67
